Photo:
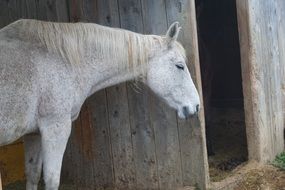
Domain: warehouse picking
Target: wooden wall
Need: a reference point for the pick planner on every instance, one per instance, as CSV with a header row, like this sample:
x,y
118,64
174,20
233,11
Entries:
x,y
124,139
262,33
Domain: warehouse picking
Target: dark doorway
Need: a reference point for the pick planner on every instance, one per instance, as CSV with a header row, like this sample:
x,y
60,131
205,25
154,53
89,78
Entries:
x,y
222,85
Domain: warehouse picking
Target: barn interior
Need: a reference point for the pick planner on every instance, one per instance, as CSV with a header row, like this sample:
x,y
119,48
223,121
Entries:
x,y
222,85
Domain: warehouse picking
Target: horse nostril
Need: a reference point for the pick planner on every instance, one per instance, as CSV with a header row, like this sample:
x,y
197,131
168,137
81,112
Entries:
x,y
197,108
186,111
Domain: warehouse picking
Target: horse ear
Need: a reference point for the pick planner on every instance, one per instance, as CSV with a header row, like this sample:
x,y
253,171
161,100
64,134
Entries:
x,y
172,33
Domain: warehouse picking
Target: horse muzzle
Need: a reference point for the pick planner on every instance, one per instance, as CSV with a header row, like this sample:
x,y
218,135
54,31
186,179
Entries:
x,y
186,111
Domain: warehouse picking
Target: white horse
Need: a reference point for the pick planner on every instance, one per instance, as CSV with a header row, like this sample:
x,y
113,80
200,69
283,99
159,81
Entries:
x,y
47,70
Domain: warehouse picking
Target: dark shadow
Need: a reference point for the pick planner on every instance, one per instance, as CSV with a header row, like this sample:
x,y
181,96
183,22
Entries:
x,y
222,85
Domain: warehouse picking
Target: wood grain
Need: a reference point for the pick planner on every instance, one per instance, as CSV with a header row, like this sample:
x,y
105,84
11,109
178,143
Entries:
x,y
263,77
124,139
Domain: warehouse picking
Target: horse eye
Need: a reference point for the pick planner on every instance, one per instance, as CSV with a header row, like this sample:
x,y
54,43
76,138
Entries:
x,y
180,66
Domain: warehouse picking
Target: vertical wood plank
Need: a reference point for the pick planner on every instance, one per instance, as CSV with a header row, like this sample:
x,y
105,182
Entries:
x,y
262,79
75,10
153,22
281,39
102,159
73,170
98,170
13,13
131,18
51,11
163,119
4,15
89,11
31,9
0,182
67,174
191,132
87,142
120,134
62,10
41,9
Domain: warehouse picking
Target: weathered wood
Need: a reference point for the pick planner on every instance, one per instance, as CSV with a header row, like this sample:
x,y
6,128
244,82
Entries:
x,y
281,40
4,14
119,124
124,139
75,10
262,79
191,132
75,148
0,182
61,11
68,174
101,159
31,9
98,147
163,119
131,18
41,8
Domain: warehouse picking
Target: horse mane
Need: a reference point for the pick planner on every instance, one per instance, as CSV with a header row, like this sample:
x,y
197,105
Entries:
x,y
73,40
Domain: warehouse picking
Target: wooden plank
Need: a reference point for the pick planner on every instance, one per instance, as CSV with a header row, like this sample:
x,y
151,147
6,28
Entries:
x,y
150,162
87,142
191,132
31,9
0,182
13,13
102,158
50,9
120,133
163,119
95,141
62,11
108,13
77,155
102,150
41,9
281,39
73,171
246,53
69,165
119,125
121,140
89,11
75,10
258,29
4,13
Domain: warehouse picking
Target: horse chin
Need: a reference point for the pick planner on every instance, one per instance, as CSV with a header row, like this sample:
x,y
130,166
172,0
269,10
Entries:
x,y
181,114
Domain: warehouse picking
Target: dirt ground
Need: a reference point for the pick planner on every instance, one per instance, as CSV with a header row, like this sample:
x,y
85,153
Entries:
x,y
252,176
20,185
229,169
263,178
228,141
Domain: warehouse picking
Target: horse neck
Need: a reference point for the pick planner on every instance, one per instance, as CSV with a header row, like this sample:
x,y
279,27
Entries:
x,y
105,72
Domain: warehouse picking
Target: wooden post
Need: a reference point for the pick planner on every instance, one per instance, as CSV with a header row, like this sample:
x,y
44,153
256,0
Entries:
x,y
0,182
262,56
